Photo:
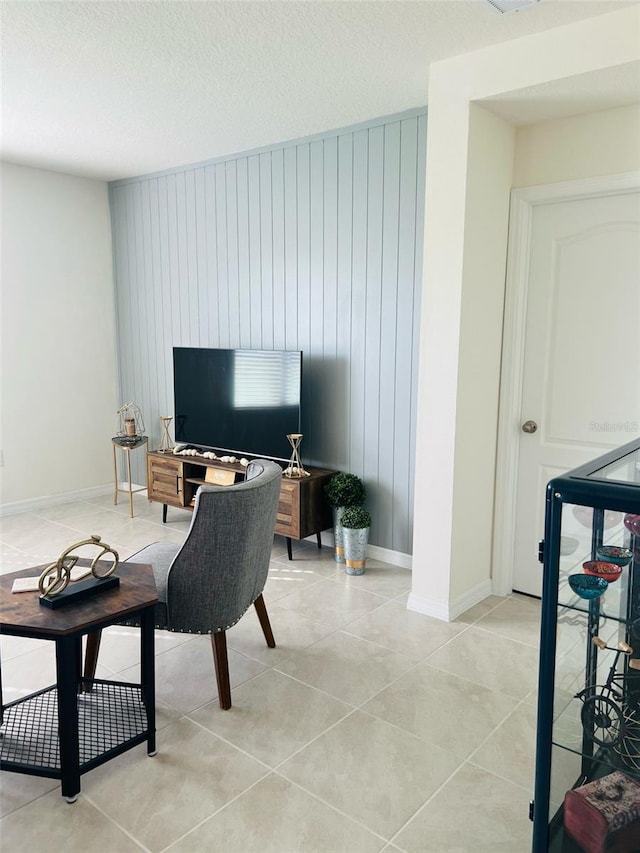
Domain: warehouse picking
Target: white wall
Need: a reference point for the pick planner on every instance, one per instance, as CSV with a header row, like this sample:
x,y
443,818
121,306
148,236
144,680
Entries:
x,y
446,486
490,167
606,142
58,355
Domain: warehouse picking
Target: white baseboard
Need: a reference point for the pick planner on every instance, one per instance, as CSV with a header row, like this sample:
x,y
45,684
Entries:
x,y
385,555
474,596
429,607
448,611
66,497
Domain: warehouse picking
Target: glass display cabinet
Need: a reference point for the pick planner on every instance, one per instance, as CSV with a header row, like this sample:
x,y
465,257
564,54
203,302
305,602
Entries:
x,y
589,678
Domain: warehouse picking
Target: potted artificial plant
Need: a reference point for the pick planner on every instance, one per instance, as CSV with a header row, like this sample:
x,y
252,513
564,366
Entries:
x,y
343,490
356,521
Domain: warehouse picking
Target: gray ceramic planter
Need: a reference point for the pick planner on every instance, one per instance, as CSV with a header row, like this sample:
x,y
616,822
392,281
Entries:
x,y
355,549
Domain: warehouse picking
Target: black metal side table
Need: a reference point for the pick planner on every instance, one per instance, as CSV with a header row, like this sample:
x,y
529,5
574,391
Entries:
x,y
78,723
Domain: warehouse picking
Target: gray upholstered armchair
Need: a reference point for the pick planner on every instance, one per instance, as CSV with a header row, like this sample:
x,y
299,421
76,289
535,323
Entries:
x,y
206,584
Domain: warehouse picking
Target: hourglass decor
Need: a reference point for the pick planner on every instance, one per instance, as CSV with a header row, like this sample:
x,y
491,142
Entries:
x,y
294,468
166,445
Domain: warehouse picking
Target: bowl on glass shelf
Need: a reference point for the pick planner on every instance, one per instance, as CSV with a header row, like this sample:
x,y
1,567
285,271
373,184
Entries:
x,y
632,523
614,554
587,586
568,545
584,514
600,569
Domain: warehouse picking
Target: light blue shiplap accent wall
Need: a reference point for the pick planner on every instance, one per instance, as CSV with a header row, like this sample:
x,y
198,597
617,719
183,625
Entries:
x,y
313,245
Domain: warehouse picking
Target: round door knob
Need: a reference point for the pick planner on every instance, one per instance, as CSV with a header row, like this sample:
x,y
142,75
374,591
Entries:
x,y
529,426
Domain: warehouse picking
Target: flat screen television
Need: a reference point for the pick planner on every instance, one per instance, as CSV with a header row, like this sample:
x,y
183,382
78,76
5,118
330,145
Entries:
x,y
242,402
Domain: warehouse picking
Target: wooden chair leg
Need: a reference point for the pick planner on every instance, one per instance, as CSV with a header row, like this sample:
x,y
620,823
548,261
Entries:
x,y
91,657
261,610
219,646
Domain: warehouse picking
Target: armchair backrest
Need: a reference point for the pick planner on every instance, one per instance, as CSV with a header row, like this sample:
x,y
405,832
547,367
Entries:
x,y
222,566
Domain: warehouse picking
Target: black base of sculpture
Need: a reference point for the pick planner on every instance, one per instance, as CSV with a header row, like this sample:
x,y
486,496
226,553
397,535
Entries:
x,y
79,591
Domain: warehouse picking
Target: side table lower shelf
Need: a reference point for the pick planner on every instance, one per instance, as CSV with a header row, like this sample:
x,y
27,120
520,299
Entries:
x,y
112,718
67,729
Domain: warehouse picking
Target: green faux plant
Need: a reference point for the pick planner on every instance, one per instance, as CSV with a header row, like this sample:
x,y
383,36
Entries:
x,y
345,490
356,518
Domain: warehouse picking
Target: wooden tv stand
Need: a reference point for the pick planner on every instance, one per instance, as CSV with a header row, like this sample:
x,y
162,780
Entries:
x,y
303,510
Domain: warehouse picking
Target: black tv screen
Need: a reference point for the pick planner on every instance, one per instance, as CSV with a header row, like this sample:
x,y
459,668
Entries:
x,y
243,402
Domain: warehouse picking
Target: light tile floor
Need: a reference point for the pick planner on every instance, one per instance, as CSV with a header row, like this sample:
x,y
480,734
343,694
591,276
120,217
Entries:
x,y
368,728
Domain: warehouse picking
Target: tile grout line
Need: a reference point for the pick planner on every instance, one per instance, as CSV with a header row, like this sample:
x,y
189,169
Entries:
x,y
351,709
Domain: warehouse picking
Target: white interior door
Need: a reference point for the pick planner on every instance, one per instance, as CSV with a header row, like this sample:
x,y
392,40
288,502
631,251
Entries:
x,y
581,378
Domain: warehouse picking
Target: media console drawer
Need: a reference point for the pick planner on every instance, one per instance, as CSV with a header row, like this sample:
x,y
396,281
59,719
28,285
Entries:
x,y
165,479
302,510
287,518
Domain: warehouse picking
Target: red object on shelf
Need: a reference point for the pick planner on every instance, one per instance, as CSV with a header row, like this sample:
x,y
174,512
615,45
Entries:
x,y
609,571
603,816
632,523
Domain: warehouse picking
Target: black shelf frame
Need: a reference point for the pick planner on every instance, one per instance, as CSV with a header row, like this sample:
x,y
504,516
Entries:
x,y
581,487
112,718
62,720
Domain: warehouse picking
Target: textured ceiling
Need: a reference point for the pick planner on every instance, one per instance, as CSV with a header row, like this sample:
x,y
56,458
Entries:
x,y
115,89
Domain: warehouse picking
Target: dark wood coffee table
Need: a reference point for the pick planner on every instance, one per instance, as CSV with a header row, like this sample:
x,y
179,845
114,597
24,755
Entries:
x,y
78,723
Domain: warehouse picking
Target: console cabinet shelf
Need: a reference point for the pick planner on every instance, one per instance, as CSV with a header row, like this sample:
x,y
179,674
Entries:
x,y
303,510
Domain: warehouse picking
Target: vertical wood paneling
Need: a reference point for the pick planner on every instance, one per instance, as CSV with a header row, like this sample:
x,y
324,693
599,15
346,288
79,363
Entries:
x,y
148,369
163,295
244,255
266,253
209,291
406,323
233,261
388,326
417,291
291,248
358,330
316,291
373,299
330,425
340,376
278,250
182,268
303,272
255,263
200,212
314,245
222,266
175,289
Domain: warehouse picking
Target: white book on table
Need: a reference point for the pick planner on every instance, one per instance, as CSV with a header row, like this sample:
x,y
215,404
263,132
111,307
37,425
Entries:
x,y
31,584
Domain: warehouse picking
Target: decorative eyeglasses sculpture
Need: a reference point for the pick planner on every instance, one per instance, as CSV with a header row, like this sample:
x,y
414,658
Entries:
x,y
294,468
56,577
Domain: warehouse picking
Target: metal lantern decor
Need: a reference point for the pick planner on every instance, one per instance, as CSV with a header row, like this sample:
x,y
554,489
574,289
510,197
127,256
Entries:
x,y
131,424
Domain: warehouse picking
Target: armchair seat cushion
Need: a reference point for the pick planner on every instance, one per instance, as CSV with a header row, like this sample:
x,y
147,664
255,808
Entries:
x,y
160,555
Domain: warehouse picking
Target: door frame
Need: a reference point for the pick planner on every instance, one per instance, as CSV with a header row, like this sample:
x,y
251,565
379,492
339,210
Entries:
x,y
523,202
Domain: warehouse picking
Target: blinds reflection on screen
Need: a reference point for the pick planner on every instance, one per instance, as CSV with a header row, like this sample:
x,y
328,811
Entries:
x,y
265,379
